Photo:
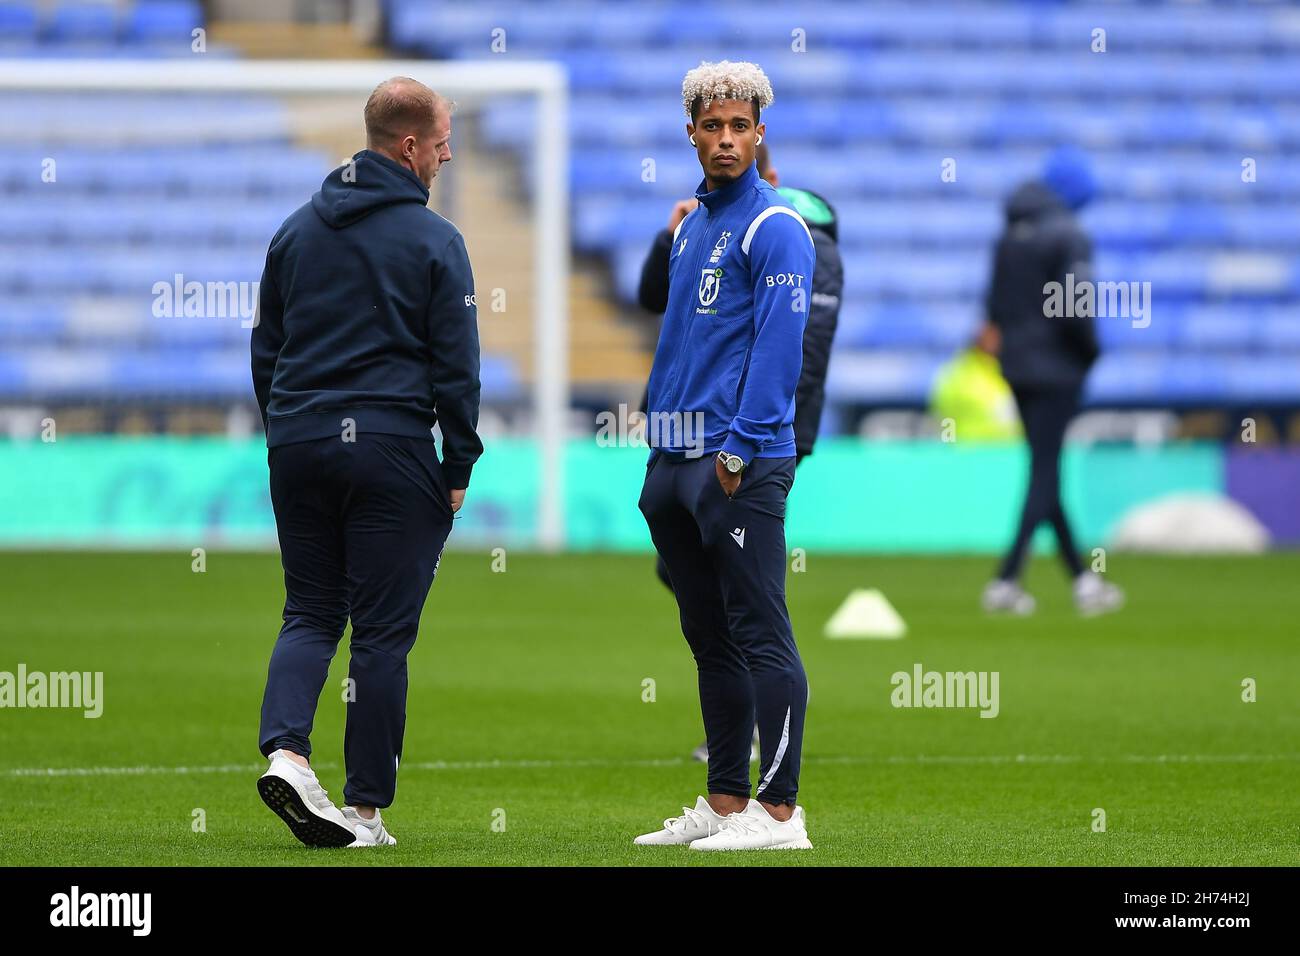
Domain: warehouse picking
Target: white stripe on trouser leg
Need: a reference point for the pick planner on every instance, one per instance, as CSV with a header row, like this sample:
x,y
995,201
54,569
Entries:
x,y
780,752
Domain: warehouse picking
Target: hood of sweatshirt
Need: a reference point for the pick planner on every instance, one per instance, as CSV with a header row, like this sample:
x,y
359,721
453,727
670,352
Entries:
x,y
356,189
1068,173
1033,200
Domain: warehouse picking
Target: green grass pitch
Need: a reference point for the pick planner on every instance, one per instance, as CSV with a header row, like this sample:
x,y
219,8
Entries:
x,y
526,709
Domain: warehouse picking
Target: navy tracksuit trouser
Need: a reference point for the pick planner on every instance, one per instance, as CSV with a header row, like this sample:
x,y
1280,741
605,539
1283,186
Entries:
x,y
361,525
1045,413
726,560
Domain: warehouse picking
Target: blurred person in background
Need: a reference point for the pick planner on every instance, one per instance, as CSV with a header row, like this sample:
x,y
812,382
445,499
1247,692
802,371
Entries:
x,y
969,388
1045,360
818,336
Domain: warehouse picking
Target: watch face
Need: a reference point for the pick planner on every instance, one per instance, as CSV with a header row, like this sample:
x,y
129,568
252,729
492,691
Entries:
x,y
734,464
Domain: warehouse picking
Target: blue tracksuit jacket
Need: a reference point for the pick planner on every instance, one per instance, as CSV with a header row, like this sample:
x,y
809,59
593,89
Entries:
x,y
739,287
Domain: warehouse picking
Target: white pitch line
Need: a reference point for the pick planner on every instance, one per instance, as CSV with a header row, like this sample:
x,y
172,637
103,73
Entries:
x,y
914,759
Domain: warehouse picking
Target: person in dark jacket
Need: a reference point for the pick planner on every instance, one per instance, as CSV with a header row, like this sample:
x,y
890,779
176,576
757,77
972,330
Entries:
x,y
819,334
1045,359
366,337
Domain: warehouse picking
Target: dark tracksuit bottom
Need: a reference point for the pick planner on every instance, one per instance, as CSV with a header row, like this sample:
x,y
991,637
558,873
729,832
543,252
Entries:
x,y
661,569
1045,412
361,526
726,561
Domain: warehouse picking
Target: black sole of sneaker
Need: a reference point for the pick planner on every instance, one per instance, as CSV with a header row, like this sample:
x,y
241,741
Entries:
x,y
305,825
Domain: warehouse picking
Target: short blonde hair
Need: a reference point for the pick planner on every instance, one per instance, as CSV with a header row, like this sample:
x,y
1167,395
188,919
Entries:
x,y
401,106
725,80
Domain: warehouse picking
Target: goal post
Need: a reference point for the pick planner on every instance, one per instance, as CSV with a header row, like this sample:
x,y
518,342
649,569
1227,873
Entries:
x,y
467,81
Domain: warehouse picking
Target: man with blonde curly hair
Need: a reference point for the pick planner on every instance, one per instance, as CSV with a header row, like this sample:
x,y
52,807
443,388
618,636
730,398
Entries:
x,y
728,362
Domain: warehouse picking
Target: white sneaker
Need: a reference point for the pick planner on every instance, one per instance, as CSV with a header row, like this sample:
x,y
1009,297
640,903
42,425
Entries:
x,y
1094,595
369,832
754,829
298,799
691,825
1009,597
701,753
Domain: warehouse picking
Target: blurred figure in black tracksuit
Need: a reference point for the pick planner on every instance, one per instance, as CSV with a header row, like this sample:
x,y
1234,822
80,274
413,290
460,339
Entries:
x,y
823,314
1045,360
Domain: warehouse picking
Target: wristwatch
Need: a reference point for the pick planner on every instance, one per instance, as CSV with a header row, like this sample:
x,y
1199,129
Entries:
x,y
733,463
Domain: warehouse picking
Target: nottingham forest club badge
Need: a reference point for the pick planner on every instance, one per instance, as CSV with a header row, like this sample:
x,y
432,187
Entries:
x,y
710,286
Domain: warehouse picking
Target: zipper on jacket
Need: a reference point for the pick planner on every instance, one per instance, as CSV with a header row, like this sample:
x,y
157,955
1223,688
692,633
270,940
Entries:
x,y
690,326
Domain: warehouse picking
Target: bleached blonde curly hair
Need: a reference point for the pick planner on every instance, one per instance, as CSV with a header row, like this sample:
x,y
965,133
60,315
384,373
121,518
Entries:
x,y
726,80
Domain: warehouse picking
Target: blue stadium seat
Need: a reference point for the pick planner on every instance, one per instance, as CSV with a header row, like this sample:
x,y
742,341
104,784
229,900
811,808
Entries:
x,y
152,21
883,95
86,23
19,23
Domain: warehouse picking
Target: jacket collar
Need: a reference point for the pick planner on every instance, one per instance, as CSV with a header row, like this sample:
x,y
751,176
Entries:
x,y
394,168
725,195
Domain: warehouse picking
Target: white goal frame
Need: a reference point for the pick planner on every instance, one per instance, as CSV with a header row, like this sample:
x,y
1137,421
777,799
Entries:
x,y
467,81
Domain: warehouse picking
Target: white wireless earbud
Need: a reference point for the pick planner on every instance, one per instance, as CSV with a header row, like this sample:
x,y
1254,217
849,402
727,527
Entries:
x,y
758,141
693,143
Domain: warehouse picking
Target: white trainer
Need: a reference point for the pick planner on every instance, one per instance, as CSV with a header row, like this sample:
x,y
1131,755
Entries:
x,y
691,825
369,832
755,829
1008,597
1094,595
298,799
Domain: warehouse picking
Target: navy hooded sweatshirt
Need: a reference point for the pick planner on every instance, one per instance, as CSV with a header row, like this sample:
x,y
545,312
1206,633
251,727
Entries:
x,y
366,311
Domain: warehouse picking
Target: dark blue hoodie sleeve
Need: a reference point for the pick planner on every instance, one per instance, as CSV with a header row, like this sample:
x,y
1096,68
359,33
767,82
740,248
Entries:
x,y
267,337
453,344
781,261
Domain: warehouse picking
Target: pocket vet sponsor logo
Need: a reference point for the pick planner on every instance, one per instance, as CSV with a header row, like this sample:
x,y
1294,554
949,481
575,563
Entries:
x,y
74,689
738,536
710,285
792,279
1104,300
923,688
75,908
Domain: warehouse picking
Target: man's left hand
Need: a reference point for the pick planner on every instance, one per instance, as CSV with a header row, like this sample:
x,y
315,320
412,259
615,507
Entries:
x,y
728,481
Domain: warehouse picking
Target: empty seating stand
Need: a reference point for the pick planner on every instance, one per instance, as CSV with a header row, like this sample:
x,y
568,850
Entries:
x,y
145,187
884,93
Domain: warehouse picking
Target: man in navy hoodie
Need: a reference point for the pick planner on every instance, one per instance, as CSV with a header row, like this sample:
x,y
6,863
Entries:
x,y
721,411
367,335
